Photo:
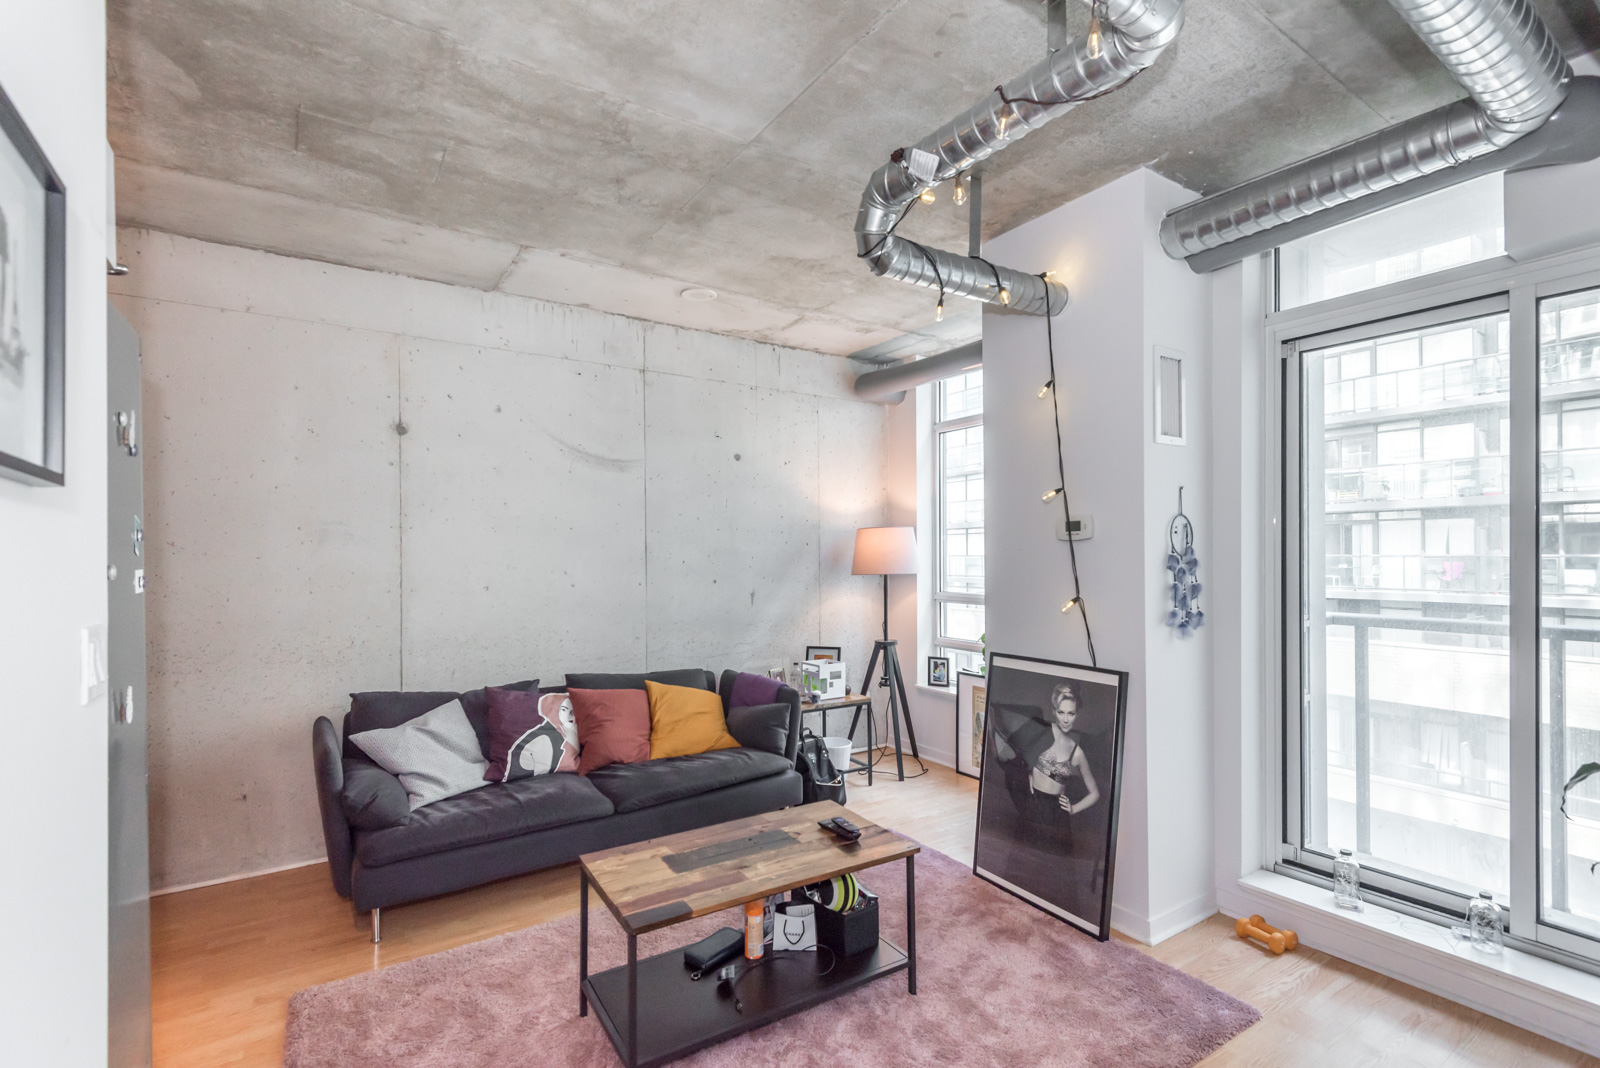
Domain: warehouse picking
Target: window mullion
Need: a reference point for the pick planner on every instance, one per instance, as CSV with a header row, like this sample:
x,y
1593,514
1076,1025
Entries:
x,y
1524,612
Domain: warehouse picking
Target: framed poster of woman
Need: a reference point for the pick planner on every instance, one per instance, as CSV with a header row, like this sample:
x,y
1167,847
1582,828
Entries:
x,y
1049,784
970,697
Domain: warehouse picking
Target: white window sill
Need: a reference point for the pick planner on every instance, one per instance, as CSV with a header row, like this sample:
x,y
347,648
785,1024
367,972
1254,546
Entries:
x,y
1541,995
925,690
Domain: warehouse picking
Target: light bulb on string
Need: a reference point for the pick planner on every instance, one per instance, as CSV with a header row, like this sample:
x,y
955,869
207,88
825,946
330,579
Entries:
x,y
1070,605
1005,295
1051,494
1046,388
928,196
1095,41
938,311
960,194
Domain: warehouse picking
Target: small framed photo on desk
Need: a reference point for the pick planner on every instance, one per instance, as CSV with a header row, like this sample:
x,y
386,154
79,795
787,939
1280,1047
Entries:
x,y
938,671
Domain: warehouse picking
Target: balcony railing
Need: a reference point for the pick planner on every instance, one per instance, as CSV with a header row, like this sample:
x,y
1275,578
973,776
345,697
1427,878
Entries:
x,y
1482,476
1442,383
1554,767
1421,572
1564,362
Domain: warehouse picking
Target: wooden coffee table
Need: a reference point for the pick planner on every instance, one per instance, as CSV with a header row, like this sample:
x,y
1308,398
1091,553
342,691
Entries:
x,y
654,884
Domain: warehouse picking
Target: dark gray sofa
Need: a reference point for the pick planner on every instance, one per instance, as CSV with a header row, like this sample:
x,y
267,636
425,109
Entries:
x,y
505,829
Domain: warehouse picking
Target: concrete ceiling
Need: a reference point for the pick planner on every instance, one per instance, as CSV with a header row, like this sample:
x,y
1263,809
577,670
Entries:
x,y
613,153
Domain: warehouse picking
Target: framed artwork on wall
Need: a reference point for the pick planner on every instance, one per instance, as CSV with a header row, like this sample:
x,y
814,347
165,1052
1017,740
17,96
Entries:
x,y
1049,784
33,289
970,701
823,652
938,671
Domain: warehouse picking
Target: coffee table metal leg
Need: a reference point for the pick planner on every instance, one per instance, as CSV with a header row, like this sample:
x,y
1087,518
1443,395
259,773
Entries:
x,y
583,940
911,922
633,1000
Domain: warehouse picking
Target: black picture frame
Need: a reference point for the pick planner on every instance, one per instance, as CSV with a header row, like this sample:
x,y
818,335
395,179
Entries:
x,y
970,694
939,671
50,468
1063,864
824,652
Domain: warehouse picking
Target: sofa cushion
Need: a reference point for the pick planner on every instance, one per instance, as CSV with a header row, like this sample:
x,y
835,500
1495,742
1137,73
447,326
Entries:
x,y
764,727
476,703
376,709
371,797
655,782
499,810
435,756
751,689
613,727
685,720
528,735
698,678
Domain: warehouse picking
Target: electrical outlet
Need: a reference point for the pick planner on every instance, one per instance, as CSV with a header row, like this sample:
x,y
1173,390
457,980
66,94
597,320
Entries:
x,y
93,674
1083,528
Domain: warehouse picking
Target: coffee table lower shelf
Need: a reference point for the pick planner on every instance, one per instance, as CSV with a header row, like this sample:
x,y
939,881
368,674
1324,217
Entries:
x,y
678,1015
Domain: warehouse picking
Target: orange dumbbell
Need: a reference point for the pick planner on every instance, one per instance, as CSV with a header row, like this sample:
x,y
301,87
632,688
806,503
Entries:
x,y
1269,936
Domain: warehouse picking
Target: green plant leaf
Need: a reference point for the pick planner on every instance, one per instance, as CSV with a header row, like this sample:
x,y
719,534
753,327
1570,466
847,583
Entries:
x,y
1586,772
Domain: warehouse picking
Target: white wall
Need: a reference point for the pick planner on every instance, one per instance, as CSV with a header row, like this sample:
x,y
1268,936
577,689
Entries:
x,y
1127,297
574,491
52,571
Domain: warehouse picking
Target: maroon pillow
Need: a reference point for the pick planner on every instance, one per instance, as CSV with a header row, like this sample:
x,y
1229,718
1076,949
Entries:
x,y
524,740
749,689
613,727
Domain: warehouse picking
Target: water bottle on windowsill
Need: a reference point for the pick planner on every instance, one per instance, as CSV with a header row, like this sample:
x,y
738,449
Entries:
x,y
1347,881
1484,920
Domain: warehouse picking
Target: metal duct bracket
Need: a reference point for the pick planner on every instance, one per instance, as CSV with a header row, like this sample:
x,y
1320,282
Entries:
x,y
1133,35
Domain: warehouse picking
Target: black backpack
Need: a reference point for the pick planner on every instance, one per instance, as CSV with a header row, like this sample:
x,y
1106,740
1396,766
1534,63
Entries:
x,y
820,780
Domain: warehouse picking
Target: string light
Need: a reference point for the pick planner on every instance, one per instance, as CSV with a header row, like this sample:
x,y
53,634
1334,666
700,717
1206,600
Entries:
x,y
1051,495
928,196
1005,295
960,194
938,311
1046,388
1070,605
1094,31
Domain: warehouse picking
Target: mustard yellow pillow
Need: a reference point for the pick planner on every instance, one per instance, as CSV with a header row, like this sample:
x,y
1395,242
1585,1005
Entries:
x,y
684,720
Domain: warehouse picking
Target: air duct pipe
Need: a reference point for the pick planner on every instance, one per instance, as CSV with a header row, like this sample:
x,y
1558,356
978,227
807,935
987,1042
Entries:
x,y
1132,36
890,384
1499,51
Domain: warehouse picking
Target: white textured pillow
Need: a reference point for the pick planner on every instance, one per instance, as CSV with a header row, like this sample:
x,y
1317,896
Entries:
x,y
434,756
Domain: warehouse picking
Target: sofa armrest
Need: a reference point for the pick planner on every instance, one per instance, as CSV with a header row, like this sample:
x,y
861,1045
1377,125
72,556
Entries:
x,y
790,696
328,762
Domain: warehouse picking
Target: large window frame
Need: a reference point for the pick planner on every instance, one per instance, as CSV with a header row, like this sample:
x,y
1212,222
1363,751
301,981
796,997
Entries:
x,y
1450,295
942,643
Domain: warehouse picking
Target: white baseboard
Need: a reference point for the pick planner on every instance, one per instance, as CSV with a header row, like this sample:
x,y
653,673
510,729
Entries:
x,y
1531,992
235,878
1161,927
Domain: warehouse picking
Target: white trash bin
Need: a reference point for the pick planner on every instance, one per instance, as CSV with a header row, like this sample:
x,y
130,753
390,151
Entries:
x,y
839,752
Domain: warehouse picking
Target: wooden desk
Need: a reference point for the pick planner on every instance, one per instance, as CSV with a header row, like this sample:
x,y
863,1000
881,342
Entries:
x,y
849,700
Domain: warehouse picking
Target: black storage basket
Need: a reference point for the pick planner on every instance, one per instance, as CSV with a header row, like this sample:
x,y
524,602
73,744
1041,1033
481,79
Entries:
x,y
846,933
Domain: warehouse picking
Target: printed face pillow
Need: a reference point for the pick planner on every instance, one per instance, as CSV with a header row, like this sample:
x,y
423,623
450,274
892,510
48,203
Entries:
x,y
529,734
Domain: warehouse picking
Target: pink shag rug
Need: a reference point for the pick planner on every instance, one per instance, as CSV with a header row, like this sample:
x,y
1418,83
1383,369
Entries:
x,y
998,983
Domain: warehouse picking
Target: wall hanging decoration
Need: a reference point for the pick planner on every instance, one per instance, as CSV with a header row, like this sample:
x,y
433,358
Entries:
x,y
1048,789
1184,568
33,301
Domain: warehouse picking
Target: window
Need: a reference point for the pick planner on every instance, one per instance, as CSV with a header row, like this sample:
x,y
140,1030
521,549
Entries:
x,y
1462,224
958,508
1441,561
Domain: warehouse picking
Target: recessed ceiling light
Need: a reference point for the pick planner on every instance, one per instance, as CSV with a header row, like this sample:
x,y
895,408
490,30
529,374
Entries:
x,y
698,294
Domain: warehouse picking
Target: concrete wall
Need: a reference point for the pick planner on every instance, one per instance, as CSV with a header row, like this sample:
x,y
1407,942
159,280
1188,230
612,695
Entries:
x,y
52,574
573,491
1127,298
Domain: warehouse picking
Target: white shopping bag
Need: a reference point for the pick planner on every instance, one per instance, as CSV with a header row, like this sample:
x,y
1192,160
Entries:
x,y
794,926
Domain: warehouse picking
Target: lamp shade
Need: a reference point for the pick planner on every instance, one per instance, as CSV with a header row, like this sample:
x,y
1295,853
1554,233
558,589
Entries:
x,y
885,551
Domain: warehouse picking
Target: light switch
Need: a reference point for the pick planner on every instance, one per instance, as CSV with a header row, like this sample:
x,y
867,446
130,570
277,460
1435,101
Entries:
x,y
94,673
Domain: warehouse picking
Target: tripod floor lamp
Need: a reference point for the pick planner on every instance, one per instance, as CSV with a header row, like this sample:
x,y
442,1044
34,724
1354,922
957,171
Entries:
x,y
887,551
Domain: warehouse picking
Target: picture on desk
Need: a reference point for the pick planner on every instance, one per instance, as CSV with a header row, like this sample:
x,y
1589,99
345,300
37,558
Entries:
x,y
823,652
1049,784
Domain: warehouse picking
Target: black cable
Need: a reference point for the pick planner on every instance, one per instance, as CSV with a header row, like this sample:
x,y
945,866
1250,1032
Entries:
x,y
1061,471
770,958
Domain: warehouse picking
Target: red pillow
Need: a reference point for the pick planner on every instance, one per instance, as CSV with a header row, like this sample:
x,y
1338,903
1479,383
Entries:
x,y
613,727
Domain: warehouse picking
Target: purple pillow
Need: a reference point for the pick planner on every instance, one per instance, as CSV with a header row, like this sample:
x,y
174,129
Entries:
x,y
751,690
522,739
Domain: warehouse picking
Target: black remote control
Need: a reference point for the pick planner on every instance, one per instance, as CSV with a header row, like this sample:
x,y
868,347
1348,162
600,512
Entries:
x,y
841,828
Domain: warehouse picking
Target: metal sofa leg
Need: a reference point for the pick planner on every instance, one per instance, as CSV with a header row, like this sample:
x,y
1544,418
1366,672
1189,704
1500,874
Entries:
x,y
377,926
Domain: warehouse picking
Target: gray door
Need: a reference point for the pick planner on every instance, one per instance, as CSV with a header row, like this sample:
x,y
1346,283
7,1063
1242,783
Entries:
x,y
130,828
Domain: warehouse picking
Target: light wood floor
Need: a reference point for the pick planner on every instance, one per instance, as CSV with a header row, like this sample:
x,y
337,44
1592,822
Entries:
x,y
226,958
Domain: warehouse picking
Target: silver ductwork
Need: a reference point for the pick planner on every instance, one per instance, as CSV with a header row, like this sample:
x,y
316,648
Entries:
x,y
890,384
1133,35
1500,52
